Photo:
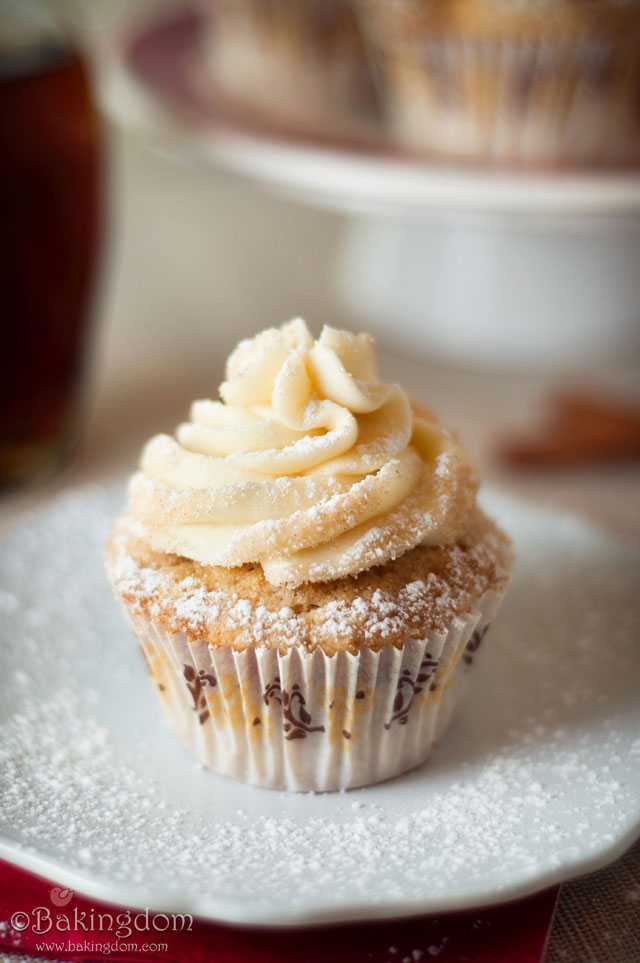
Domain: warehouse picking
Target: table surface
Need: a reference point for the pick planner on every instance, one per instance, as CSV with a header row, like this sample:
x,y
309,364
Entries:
x,y
195,260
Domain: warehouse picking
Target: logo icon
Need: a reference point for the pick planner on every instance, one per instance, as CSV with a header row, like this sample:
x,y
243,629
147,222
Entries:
x,y
60,897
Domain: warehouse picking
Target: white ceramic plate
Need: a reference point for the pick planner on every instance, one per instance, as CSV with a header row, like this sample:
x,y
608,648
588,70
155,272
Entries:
x,y
537,781
155,82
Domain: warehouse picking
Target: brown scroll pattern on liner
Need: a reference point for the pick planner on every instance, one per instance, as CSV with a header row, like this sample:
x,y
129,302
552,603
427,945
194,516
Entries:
x,y
297,720
408,688
196,685
474,644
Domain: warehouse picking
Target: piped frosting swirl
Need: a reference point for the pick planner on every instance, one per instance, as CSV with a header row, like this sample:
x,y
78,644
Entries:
x,y
309,466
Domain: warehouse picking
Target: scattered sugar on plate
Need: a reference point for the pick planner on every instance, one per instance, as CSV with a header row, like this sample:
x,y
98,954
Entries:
x,y
528,783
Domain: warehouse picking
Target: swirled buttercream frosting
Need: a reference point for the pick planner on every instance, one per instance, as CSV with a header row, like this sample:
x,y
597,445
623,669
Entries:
x,y
308,466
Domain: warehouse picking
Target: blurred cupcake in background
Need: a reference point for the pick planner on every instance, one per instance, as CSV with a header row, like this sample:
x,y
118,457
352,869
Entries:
x,y
534,82
297,63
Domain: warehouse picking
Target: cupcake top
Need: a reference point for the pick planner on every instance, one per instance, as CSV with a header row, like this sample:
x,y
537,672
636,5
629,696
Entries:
x,y
308,467
426,589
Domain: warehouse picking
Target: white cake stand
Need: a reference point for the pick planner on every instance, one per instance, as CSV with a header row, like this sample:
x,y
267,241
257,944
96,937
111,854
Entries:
x,y
478,266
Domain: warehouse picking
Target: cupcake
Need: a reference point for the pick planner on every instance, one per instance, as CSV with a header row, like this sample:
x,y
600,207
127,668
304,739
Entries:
x,y
297,63
539,82
306,568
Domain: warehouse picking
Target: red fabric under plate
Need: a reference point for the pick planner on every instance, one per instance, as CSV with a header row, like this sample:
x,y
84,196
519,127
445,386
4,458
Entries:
x,y
512,933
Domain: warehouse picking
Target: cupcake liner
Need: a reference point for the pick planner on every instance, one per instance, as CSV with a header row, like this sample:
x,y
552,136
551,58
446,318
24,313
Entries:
x,y
539,98
309,721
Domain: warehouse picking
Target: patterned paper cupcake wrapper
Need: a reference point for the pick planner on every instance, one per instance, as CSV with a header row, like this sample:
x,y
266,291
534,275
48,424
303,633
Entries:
x,y
309,721
531,101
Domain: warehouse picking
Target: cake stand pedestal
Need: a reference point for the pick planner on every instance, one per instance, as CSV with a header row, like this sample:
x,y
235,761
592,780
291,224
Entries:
x,y
476,266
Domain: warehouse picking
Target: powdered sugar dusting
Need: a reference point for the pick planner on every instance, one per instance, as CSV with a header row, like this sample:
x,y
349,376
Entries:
x,y
333,621
71,789
539,774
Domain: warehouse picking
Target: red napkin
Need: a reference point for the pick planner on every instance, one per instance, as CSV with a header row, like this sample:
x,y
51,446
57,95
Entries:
x,y
40,918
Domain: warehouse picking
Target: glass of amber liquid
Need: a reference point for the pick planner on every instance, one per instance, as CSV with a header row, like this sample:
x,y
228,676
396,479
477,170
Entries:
x,y
50,213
